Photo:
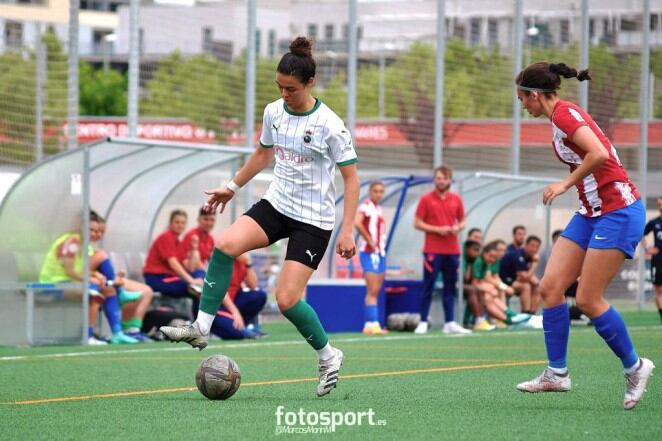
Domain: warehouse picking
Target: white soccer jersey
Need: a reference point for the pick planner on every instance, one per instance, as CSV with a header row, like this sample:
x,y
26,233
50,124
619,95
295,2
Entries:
x,y
307,147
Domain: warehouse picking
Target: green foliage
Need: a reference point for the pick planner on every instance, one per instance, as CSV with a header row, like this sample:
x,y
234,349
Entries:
x,y
102,92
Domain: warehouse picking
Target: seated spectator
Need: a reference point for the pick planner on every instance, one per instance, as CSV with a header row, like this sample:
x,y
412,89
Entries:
x,y
471,292
494,305
493,276
198,243
476,235
164,271
64,263
518,270
134,297
240,306
546,253
519,234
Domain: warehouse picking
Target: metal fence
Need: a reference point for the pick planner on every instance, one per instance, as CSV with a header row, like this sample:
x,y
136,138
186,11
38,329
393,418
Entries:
x,y
415,89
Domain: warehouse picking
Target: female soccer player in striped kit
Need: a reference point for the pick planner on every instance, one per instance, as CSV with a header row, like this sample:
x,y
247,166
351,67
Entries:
x,y
308,141
604,231
372,228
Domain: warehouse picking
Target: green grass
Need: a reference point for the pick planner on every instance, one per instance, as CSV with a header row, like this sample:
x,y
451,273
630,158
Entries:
x,y
457,388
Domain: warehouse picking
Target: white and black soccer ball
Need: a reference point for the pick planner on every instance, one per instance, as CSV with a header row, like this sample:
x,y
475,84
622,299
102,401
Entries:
x,y
218,377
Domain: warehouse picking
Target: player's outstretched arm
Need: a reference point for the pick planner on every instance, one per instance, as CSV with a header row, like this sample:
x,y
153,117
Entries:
x,y
346,246
257,162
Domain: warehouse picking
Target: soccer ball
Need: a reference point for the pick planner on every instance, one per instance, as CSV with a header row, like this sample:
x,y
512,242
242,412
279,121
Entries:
x,y
218,377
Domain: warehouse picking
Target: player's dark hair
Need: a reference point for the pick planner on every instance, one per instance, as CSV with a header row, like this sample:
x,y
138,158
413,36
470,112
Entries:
x,y
546,77
471,244
445,170
492,246
175,213
204,212
533,238
299,60
94,216
556,234
473,230
518,227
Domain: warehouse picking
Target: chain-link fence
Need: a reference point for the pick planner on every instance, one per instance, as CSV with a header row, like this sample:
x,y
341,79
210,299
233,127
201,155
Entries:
x,y
193,76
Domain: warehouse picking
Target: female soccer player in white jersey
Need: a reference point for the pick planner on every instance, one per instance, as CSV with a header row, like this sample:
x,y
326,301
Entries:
x,y
604,231
372,250
308,141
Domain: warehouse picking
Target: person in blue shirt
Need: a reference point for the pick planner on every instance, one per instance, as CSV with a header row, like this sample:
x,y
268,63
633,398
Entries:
x,y
519,233
518,269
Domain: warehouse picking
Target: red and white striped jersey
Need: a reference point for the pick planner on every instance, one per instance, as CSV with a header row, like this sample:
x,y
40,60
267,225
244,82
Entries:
x,y
373,221
608,188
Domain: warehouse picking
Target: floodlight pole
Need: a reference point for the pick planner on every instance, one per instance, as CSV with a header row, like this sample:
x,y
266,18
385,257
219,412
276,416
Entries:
x,y
134,67
583,62
40,78
439,84
644,112
249,116
72,77
517,67
351,67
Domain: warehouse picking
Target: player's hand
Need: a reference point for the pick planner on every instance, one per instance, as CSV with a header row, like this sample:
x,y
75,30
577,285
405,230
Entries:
x,y
653,251
455,229
217,197
346,247
238,321
198,281
552,191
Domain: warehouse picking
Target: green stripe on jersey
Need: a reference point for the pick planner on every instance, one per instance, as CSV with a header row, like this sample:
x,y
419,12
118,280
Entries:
x,y
348,162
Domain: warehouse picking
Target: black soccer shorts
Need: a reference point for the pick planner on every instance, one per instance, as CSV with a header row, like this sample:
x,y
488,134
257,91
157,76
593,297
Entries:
x,y
307,243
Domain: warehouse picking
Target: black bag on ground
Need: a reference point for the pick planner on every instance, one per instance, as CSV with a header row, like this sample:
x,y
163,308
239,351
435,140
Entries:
x,y
161,316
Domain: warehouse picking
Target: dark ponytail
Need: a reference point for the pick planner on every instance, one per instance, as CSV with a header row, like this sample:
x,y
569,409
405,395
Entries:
x,y
299,60
569,72
546,77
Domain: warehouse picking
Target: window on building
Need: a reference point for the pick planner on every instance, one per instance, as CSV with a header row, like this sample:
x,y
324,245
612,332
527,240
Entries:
x,y
328,31
474,36
655,22
258,41
628,25
312,31
207,38
345,32
459,30
565,31
271,45
13,34
591,28
141,41
492,32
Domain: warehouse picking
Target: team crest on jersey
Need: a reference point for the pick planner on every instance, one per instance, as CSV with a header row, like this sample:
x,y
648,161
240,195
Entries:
x,y
308,136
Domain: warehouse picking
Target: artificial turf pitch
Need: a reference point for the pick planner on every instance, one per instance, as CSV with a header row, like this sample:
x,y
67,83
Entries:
x,y
419,387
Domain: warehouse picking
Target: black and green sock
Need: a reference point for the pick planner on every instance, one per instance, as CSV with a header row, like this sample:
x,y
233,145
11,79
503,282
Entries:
x,y
217,281
305,319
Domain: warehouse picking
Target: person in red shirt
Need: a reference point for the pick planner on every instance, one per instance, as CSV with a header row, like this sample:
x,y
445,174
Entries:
x,y
198,243
600,236
163,270
440,214
240,306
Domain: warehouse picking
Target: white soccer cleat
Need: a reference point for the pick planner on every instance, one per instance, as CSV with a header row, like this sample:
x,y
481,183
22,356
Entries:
x,y
329,370
635,383
548,381
455,328
190,334
421,328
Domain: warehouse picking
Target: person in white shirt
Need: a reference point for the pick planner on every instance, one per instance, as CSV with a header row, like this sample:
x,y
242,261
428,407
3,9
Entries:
x,y
308,141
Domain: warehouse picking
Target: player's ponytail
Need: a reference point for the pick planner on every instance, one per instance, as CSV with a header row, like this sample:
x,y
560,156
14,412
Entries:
x,y
546,77
569,72
299,60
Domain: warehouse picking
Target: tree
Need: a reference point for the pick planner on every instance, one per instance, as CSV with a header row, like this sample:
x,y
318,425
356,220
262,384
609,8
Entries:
x,y
102,92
